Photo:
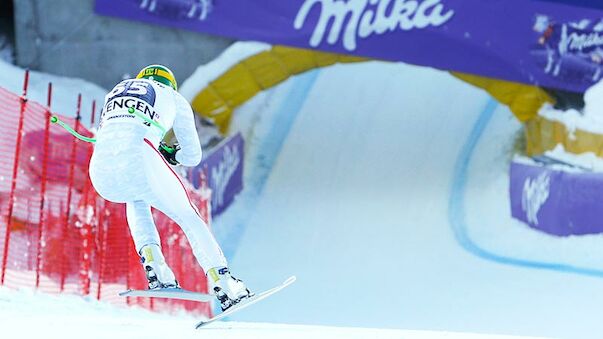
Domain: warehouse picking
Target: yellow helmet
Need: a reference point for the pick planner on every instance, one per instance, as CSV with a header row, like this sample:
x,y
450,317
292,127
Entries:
x,y
160,74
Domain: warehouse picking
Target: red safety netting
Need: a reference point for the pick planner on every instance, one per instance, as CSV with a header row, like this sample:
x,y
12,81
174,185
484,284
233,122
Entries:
x,y
57,234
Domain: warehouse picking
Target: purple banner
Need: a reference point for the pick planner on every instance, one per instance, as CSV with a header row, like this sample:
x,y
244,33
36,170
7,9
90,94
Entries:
x,y
223,169
557,202
536,42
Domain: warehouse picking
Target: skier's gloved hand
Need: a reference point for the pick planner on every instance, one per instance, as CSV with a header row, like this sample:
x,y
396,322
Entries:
x,y
169,153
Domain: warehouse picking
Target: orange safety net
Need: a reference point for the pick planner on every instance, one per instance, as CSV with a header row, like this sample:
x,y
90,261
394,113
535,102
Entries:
x,y
57,235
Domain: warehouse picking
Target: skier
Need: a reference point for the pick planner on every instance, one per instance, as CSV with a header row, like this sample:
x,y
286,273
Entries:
x,y
130,165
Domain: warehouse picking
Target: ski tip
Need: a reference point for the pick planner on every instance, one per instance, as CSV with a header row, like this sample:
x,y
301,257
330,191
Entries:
x,y
124,293
201,323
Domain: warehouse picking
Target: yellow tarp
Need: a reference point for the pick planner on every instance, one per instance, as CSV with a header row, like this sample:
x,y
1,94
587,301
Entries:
x,y
544,135
523,100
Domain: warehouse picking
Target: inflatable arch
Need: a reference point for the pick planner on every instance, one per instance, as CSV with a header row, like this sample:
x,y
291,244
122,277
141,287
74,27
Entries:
x,y
246,68
261,66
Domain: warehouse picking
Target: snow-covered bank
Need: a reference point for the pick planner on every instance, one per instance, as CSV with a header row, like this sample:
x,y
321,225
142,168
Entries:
x,y
27,314
490,223
589,119
65,90
7,50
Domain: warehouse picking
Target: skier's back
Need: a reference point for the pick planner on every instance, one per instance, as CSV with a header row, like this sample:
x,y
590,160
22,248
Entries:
x,y
130,165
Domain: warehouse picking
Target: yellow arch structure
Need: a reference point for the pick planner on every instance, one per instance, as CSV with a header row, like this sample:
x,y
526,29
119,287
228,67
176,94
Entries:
x,y
271,66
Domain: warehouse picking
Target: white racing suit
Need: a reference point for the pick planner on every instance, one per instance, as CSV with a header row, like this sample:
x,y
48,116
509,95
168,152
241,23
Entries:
x,y
126,166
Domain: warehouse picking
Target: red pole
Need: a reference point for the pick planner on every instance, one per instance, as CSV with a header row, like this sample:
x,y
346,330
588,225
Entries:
x,y
129,272
11,199
39,249
85,248
103,241
88,227
28,224
43,182
97,240
99,215
86,241
63,254
92,116
71,175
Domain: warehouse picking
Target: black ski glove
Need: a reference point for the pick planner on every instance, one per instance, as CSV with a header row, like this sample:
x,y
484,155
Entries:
x,y
169,153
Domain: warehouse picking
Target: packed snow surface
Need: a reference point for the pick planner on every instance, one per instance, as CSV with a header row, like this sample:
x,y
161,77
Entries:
x,y
379,165
27,314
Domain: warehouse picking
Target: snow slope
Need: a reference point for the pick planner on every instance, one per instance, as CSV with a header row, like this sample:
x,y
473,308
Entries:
x,y
65,90
383,187
27,314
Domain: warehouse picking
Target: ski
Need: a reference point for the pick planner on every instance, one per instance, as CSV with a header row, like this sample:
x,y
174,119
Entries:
x,y
170,293
247,302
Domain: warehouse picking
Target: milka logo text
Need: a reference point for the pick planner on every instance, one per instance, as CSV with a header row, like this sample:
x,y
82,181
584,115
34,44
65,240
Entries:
x,y
368,17
578,42
222,173
535,194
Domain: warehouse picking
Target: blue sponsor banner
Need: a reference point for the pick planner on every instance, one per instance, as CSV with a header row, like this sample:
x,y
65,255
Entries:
x,y
223,170
556,44
555,201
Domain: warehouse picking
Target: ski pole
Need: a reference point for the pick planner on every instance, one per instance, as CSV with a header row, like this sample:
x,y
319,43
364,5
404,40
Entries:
x,y
55,120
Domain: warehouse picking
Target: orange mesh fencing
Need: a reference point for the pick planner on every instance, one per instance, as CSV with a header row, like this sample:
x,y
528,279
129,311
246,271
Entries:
x,y
56,234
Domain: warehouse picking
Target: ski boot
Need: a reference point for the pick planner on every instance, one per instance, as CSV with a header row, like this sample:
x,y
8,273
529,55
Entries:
x,y
157,271
229,290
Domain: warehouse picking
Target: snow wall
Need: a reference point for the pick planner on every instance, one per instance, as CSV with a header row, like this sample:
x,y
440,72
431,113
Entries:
x,y
384,188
